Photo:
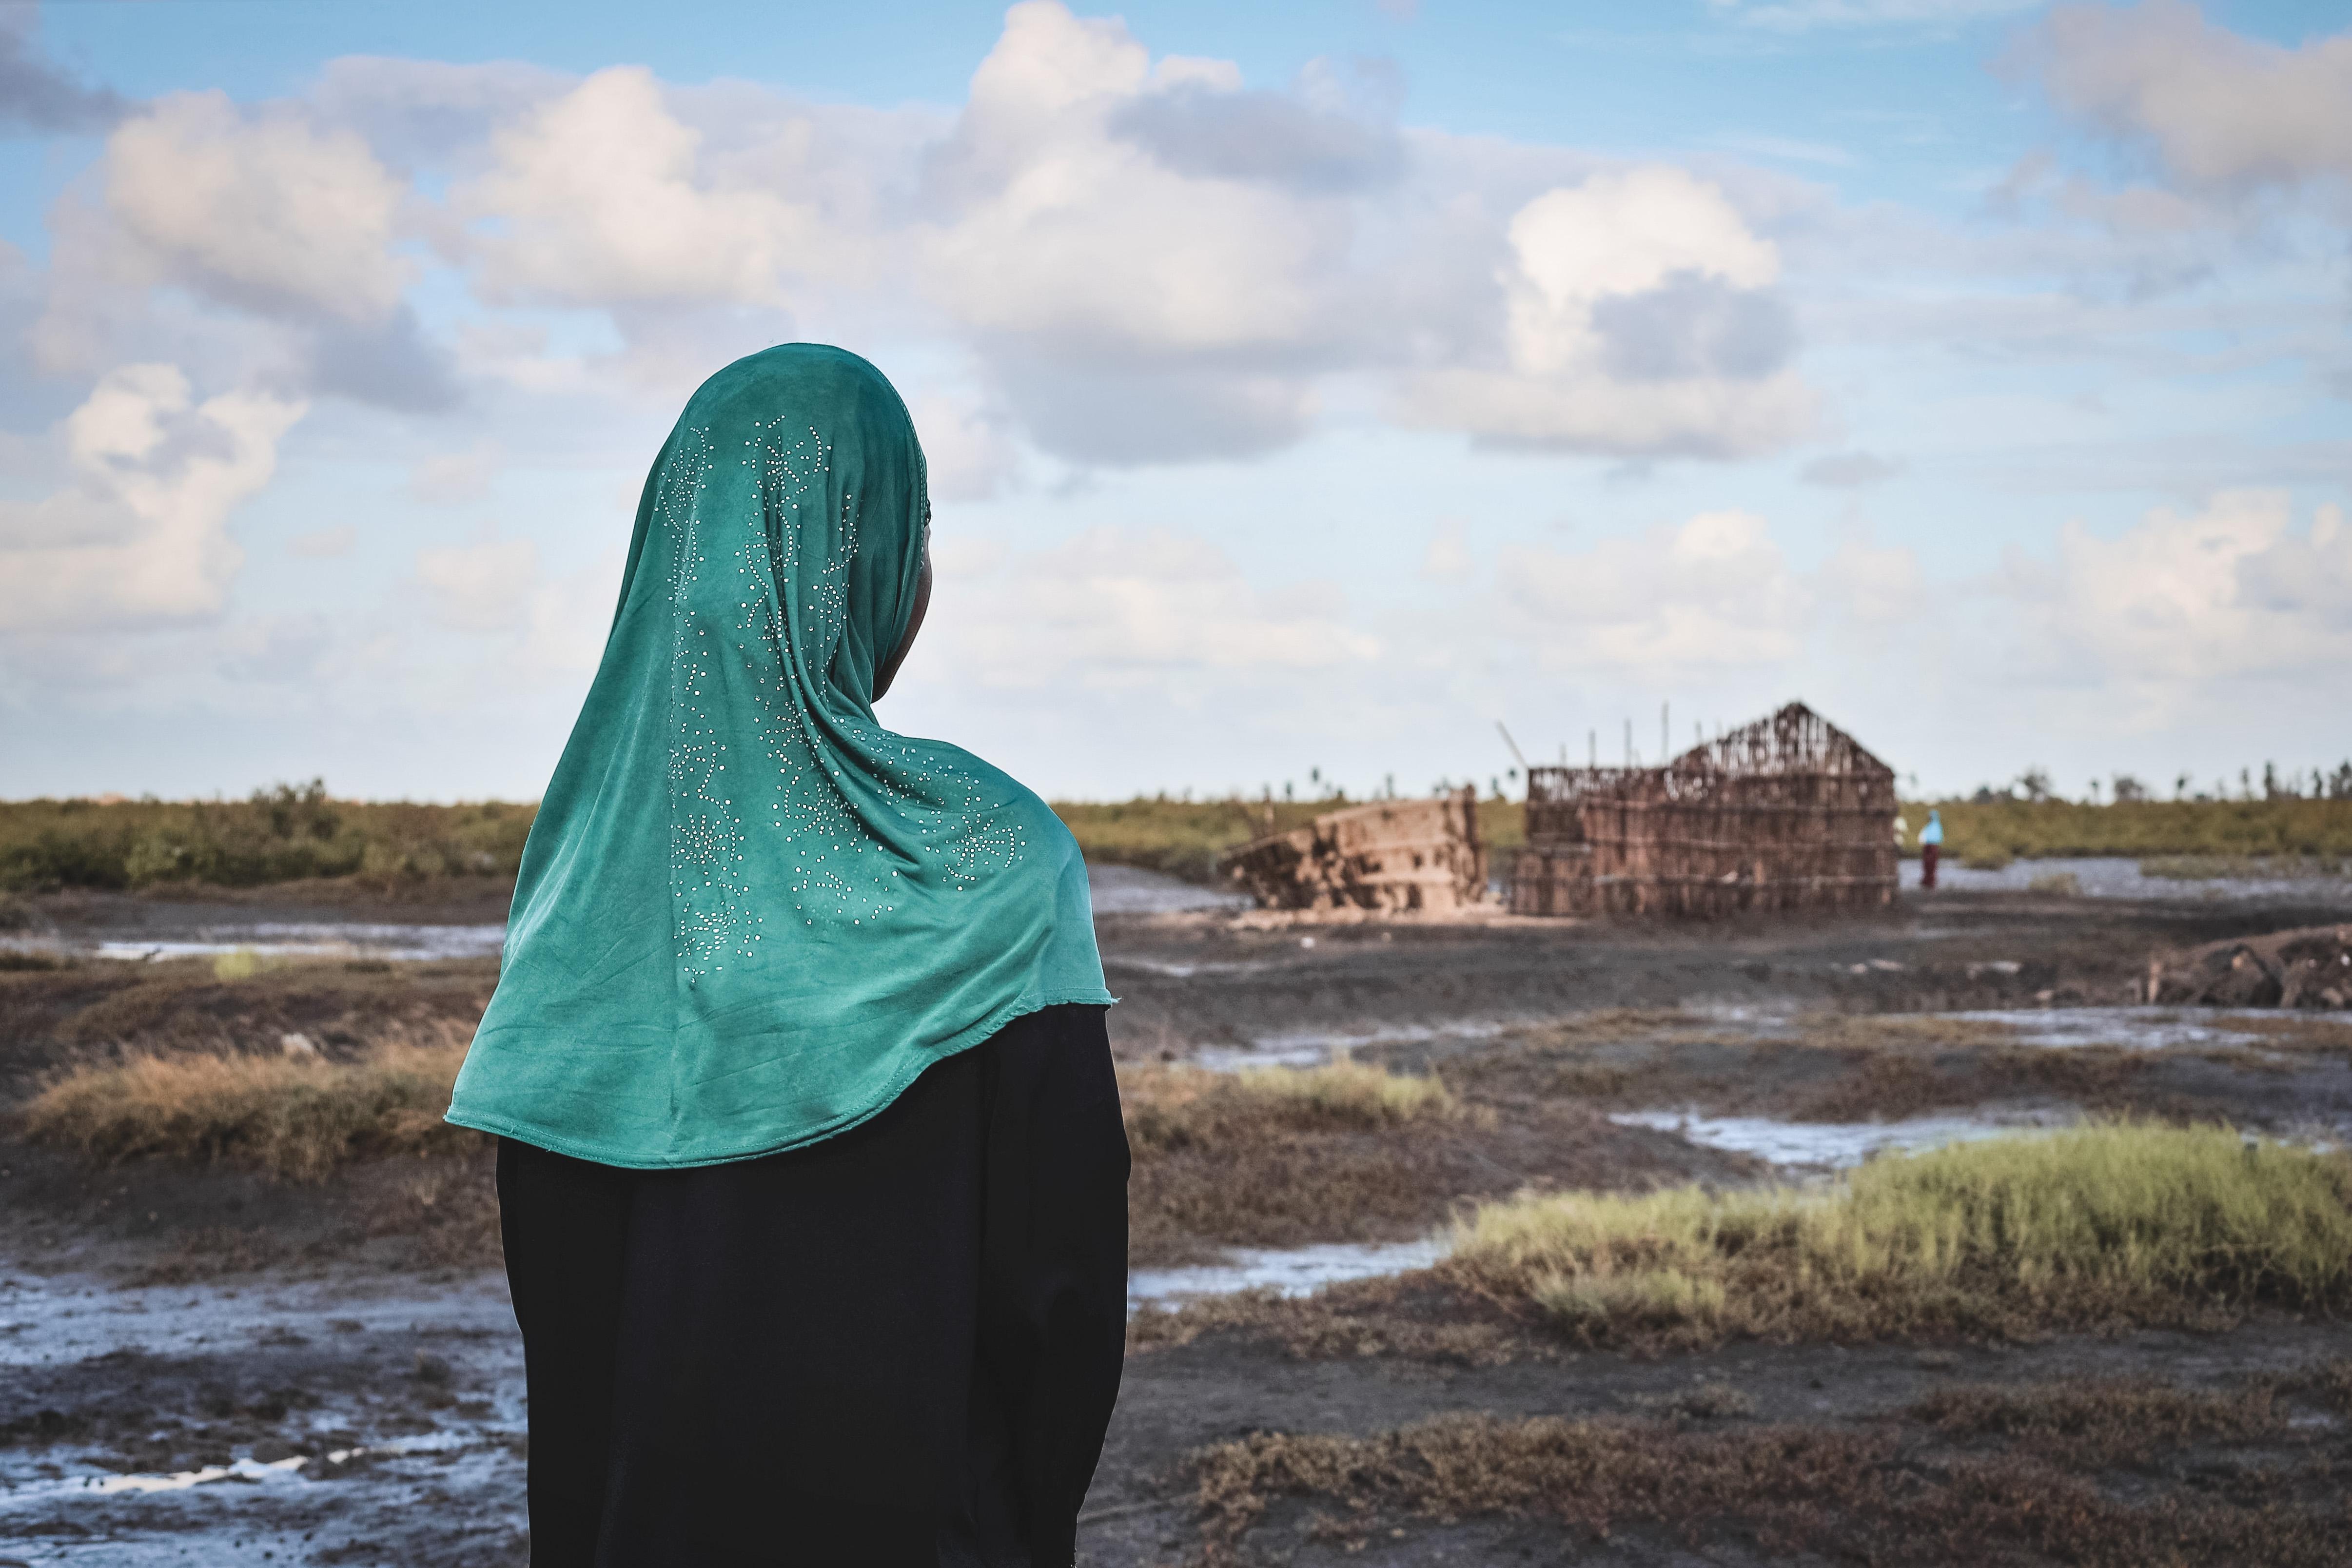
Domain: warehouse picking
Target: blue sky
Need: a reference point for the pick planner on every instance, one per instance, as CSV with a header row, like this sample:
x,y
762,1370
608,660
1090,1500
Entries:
x,y
1309,387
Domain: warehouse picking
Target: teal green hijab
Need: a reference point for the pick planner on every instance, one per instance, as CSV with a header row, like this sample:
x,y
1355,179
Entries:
x,y
749,915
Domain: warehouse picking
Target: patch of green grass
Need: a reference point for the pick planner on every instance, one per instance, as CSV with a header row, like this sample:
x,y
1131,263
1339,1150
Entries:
x,y
2109,1222
287,834
1992,833
295,1118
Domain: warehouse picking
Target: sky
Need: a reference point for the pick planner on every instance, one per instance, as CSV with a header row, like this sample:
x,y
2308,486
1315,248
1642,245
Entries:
x,y
1311,392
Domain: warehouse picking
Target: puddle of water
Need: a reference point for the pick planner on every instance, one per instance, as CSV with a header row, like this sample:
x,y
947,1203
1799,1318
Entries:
x,y
1180,971
47,1321
1292,1271
1130,890
1239,1059
1311,1048
2143,1028
245,1468
1839,1145
407,943
2107,877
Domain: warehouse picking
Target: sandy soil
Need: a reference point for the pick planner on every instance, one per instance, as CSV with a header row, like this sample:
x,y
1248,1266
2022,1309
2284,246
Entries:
x,y
157,1322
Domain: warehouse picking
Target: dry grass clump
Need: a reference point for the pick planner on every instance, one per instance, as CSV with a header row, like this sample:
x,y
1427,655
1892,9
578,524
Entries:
x,y
1281,1156
295,1118
1351,1093
2102,1422
2108,1222
1783,1490
1185,1108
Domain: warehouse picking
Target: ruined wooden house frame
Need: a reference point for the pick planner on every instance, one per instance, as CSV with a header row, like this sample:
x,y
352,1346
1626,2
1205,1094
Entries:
x,y
1391,856
1789,813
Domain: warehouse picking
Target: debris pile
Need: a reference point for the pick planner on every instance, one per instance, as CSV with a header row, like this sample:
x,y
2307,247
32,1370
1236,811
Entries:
x,y
1788,813
1390,857
2310,967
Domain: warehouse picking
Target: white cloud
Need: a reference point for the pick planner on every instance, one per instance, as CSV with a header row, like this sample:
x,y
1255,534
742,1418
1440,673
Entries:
x,y
605,196
1118,607
325,543
1714,592
461,476
36,95
141,537
1798,15
1067,232
1641,320
571,616
966,446
1152,260
483,587
1447,559
2220,110
275,649
262,208
2183,601
1851,471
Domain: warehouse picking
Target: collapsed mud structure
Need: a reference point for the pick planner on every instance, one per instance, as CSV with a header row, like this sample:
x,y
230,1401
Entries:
x,y
2310,967
1391,856
1789,813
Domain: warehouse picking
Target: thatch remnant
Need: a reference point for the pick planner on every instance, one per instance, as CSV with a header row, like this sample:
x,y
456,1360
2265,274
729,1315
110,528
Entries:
x,y
2309,967
1392,856
1788,813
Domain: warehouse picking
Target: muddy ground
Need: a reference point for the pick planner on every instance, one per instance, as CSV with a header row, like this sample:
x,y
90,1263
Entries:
x,y
346,1355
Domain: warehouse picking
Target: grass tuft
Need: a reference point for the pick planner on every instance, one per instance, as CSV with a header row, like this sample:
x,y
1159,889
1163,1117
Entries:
x,y
2111,1221
1186,1108
1790,1491
293,1118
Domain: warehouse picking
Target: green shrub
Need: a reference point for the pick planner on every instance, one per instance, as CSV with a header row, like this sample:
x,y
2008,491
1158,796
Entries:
x,y
280,835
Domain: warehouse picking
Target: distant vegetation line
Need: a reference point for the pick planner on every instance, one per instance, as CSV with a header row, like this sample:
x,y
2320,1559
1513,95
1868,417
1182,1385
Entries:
x,y
296,832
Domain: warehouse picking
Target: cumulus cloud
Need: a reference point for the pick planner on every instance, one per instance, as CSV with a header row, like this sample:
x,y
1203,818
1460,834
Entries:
x,y
1798,15
1712,592
2220,111
140,536
431,111
482,587
275,649
460,476
966,447
1851,471
325,543
2232,590
605,196
1274,137
1153,258
38,98
261,209
1447,559
570,617
1120,607
1642,320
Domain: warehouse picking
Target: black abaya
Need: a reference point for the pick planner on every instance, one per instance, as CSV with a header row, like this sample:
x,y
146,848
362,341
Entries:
x,y
895,1349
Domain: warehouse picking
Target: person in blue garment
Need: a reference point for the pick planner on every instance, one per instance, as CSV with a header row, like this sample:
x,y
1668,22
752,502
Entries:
x,y
1931,848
